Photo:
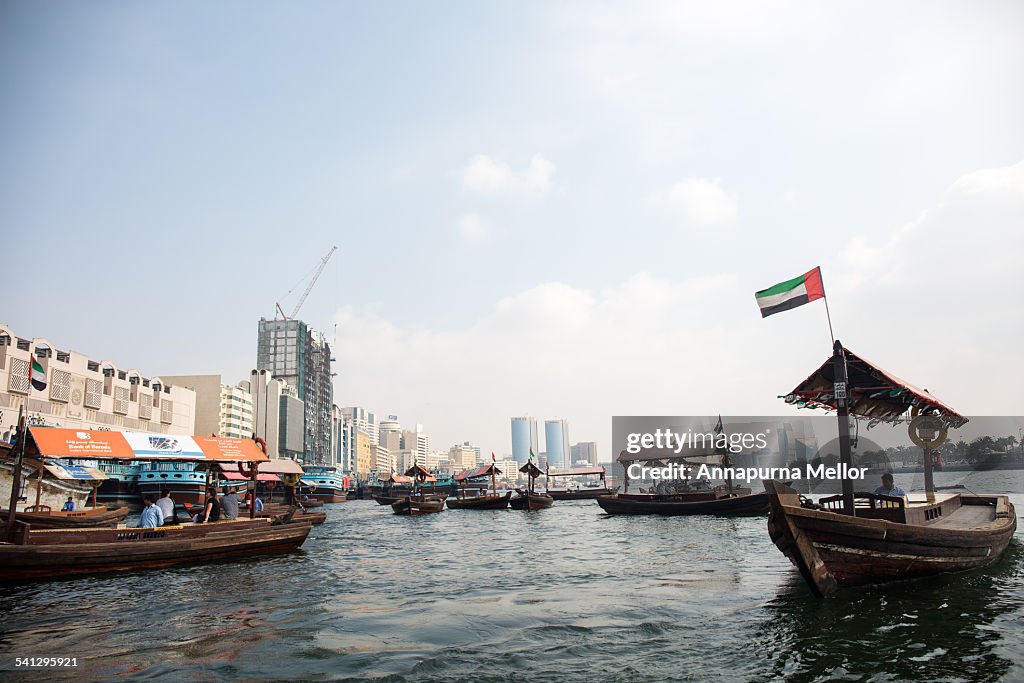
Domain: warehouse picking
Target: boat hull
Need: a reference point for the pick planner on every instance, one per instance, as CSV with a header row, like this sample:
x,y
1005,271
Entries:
x,y
413,506
60,553
583,494
499,502
78,519
732,506
531,501
833,550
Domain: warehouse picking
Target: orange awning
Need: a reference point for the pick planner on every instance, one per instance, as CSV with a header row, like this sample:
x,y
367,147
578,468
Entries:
x,y
53,442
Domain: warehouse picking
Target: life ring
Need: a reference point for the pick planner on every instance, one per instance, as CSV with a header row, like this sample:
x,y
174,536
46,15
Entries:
x,y
931,422
261,443
247,472
290,479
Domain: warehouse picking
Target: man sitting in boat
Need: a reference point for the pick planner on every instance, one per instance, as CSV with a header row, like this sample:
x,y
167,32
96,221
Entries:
x,y
151,515
166,505
889,488
69,506
229,503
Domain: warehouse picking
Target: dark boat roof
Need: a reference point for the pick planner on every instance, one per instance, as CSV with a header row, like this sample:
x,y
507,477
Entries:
x,y
531,469
575,471
480,471
873,393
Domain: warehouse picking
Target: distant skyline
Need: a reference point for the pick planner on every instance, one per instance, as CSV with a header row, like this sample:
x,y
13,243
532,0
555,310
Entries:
x,y
551,209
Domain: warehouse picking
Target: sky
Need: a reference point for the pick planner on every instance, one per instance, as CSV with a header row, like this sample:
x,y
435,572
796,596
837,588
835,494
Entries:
x,y
540,208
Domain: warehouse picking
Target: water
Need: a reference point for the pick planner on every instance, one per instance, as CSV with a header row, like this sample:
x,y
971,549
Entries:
x,y
566,594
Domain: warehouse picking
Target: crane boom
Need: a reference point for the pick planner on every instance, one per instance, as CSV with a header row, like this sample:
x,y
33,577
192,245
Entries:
x,y
309,288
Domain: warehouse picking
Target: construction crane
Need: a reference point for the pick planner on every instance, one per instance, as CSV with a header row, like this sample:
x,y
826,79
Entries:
x,y
309,288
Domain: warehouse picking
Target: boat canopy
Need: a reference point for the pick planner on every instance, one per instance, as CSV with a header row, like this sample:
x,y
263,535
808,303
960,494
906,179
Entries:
x,y
480,471
54,442
75,472
417,471
399,479
531,469
576,472
872,393
277,466
232,475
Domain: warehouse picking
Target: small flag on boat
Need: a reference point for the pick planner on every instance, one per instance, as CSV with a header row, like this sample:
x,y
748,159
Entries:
x,y
719,428
492,456
37,375
791,293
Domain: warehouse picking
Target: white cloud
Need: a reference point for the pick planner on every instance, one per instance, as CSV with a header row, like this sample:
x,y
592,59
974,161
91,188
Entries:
x,y
489,176
474,227
704,202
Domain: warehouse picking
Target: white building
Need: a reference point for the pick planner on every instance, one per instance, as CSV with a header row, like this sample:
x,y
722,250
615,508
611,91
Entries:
x,y
221,409
83,393
416,440
462,457
363,421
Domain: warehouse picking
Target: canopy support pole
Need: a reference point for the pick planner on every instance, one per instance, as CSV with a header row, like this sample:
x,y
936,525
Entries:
x,y
16,480
843,414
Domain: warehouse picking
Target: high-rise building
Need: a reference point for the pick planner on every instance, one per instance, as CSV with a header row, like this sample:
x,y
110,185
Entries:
x,y
556,442
382,460
81,393
364,454
291,420
289,350
462,456
584,452
363,421
524,438
221,409
342,448
266,391
417,440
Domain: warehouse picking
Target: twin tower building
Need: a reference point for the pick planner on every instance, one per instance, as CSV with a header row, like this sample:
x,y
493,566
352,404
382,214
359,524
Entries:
x,y
557,452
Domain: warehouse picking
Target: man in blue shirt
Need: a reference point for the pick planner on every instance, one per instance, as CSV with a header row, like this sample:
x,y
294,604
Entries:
x,y
151,515
889,488
69,506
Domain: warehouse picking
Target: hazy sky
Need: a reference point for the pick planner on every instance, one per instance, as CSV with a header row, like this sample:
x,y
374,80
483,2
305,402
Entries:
x,y
556,209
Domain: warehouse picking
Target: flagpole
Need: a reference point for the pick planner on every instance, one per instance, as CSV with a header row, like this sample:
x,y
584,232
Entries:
x,y
829,316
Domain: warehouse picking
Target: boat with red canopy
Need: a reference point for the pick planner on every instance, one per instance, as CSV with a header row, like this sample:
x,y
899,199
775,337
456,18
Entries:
x,y
418,503
28,553
491,501
862,538
530,498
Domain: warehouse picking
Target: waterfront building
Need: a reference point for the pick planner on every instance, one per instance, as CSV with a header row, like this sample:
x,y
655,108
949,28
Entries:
x,y
524,438
221,409
556,443
363,421
462,456
342,448
291,425
381,459
437,461
584,453
266,391
290,350
364,453
404,459
417,440
81,393
509,470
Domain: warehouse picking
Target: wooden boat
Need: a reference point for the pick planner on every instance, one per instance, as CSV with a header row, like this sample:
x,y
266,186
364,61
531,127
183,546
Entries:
x,y
888,540
498,501
583,493
864,538
740,502
76,519
417,503
530,499
491,501
30,554
58,553
414,505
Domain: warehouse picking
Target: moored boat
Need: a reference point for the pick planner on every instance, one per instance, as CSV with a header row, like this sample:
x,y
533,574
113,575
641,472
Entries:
x,y
28,554
578,492
417,503
717,502
582,492
485,501
325,484
74,519
865,538
529,498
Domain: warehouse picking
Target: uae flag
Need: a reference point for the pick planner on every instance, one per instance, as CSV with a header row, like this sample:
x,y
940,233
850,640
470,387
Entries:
x,y
37,375
791,293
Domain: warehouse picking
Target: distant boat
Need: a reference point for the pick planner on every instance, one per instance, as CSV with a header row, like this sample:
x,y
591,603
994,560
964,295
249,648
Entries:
x,y
862,538
588,491
325,484
529,498
417,503
717,502
485,501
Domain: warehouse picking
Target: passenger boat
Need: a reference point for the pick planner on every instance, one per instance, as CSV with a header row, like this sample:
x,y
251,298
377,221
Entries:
x,y
578,493
491,501
529,499
715,502
864,538
418,503
27,553
185,480
393,489
325,484
121,487
75,519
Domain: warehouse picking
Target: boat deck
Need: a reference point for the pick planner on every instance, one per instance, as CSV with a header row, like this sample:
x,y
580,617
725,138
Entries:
x,y
968,517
